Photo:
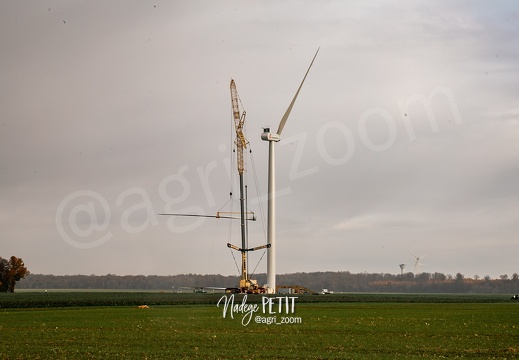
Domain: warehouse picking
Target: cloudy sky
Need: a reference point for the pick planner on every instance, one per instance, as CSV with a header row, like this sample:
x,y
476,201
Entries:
x,y
405,137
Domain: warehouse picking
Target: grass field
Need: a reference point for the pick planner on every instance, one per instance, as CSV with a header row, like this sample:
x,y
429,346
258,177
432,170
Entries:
x,y
325,330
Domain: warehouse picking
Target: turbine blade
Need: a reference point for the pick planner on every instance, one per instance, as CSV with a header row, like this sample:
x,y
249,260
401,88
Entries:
x,y
287,113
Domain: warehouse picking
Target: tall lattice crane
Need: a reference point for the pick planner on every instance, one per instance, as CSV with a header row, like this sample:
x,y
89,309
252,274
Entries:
x,y
246,284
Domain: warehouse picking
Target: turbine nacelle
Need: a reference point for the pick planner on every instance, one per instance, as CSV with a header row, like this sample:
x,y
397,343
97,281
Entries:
x,y
268,136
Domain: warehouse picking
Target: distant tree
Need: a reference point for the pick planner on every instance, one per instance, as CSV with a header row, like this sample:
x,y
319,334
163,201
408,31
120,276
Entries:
x,y
476,277
11,271
423,277
4,270
504,277
438,276
338,281
459,282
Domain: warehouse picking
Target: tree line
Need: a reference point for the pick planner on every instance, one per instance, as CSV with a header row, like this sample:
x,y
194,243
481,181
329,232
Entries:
x,y
342,281
11,271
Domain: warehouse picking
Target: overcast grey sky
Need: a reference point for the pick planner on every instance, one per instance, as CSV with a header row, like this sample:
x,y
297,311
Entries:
x,y
405,137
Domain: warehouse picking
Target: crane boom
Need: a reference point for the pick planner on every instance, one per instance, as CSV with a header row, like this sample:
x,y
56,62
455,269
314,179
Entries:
x,y
239,121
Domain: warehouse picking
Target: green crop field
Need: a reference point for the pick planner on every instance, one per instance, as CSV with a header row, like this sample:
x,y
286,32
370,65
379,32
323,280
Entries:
x,y
191,326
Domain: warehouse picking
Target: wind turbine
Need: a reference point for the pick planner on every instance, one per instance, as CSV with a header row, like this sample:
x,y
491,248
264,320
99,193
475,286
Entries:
x,y
417,263
271,217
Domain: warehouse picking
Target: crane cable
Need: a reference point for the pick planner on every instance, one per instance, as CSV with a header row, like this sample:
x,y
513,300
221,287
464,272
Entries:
x,y
235,262
261,258
256,185
260,205
231,191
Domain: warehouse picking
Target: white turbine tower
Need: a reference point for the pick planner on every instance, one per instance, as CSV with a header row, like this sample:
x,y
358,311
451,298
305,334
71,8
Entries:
x,y
271,217
417,263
